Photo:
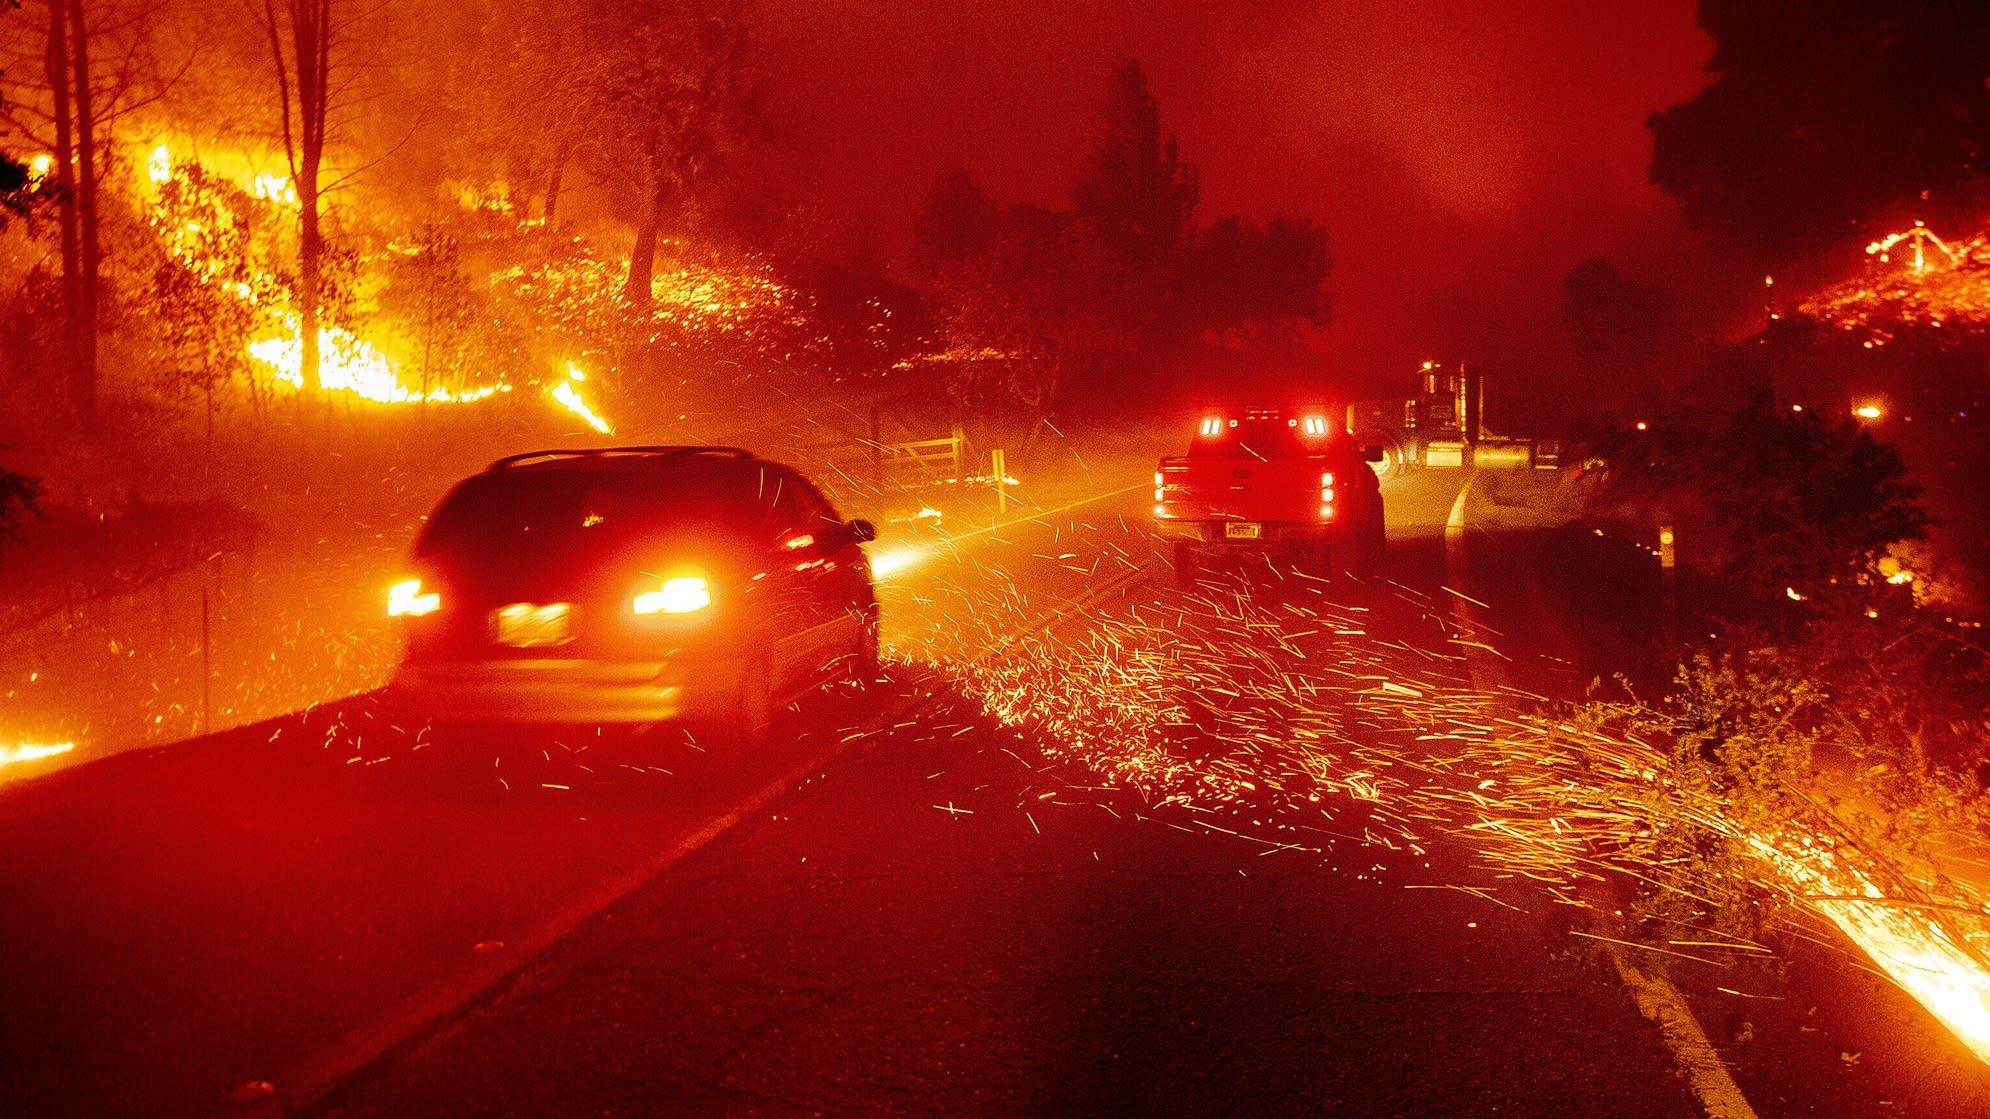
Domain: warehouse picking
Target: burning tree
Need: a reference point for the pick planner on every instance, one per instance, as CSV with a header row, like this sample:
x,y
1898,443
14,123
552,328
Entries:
x,y
206,287
302,39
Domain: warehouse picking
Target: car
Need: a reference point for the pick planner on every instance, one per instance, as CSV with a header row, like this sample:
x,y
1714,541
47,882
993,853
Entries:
x,y
1286,479
703,586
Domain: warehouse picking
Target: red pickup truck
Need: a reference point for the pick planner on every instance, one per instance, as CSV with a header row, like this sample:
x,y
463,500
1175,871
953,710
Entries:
x,y
1288,480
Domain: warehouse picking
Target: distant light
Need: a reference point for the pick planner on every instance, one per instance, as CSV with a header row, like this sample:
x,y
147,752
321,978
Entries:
x,y
1868,411
1795,596
1643,426
1796,407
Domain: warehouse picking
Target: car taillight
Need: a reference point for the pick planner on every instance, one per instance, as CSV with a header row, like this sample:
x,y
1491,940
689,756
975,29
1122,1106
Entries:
x,y
1326,495
406,599
1211,426
1314,425
686,594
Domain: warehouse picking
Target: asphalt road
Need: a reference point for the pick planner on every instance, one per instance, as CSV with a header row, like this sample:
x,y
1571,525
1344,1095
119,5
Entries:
x,y
911,903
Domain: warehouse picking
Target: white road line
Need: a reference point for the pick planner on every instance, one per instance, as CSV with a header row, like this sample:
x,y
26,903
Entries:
x,y
1656,998
1662,1005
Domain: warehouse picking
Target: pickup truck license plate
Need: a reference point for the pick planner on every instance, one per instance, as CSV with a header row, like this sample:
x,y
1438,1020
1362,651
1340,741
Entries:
x,y
1241,530
527,625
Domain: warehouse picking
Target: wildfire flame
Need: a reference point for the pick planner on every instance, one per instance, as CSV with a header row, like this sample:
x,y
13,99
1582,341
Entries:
x,y
346,362
568,395
1941,284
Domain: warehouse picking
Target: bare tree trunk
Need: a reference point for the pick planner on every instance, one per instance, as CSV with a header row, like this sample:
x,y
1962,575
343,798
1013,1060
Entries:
x,y
642,257
310,277
562,151
83,374
311,42
56,63
306,24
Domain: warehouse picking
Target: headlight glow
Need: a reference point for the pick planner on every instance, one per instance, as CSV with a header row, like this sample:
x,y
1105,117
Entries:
x,y
406,599
686,594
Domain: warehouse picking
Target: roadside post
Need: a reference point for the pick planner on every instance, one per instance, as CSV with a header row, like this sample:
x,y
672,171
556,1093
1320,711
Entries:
x,y
1668,572
998,469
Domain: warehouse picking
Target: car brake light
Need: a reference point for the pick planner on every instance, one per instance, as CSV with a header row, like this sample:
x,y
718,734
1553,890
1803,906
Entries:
x,y
406,599
1159,488
1315,425
1326,495
1212,425
686,594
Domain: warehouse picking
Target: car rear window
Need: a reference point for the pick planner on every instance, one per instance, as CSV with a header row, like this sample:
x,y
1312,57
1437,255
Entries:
x,y
539,513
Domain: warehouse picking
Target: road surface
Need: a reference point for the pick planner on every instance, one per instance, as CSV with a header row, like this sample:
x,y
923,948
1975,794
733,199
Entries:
x,y
916,901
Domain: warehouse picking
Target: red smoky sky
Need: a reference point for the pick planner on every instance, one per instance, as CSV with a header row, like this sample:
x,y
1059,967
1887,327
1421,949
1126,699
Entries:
x,y
1463,154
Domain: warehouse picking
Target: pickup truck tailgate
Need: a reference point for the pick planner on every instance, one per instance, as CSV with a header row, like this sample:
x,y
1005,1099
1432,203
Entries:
x,y
1240,489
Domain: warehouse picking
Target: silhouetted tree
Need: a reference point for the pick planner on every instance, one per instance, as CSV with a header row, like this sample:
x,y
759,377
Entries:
x,y
675,94
1621,329
530,102
1134,190
1258,284
1824,115
958,223
96,66
1774,499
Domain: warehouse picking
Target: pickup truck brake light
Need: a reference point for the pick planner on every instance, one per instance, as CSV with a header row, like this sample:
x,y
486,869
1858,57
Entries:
x,y
1160,488
1326,495
1212,426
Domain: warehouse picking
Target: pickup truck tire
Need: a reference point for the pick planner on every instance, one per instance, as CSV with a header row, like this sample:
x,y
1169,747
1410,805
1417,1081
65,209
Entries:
x,y
1369,549
1188,563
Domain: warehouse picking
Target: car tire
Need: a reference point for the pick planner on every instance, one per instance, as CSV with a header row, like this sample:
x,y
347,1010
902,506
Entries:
x,y
865,659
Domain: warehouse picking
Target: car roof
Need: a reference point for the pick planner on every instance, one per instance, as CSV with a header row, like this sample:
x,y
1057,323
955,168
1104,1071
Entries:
x,y
632,458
